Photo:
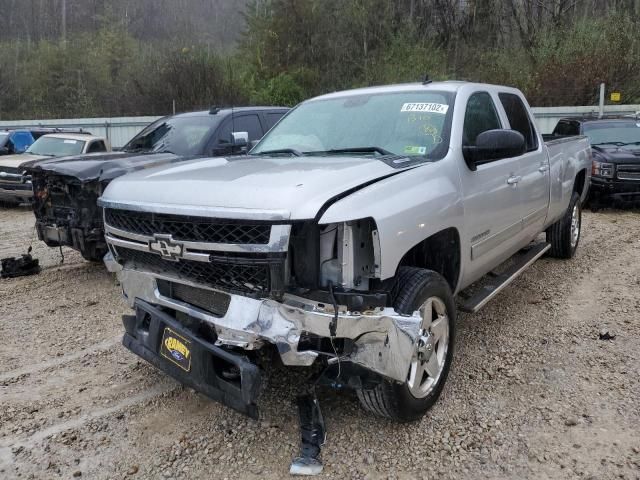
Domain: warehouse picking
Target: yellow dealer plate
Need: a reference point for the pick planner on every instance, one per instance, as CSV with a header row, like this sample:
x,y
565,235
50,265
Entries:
x,y
176,349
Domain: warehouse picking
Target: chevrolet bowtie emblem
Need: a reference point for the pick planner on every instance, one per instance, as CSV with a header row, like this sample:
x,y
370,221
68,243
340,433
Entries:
x,y
166,247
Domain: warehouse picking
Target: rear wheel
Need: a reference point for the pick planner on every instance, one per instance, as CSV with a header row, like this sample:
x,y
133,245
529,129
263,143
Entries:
x,y
564,235
427,292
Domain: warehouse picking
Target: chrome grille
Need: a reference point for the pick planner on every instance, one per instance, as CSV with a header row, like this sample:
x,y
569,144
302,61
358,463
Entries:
x,y
216,303
247,276
628,172
189,229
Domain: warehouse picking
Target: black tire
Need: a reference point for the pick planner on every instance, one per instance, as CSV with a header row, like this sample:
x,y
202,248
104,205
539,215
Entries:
x,y
93,253
394,400
559,235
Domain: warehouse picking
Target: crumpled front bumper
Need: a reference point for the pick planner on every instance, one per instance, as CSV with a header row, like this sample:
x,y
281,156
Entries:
x,y
383,339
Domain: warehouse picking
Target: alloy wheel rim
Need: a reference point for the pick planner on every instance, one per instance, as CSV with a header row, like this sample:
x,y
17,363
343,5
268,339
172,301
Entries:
x,y
575,226
430,349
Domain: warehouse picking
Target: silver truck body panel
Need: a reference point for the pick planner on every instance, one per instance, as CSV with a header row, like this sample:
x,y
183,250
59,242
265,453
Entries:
x,y
496,210
296,188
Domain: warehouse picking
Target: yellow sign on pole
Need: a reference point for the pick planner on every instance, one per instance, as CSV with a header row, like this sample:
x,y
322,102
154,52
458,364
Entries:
x,y
615,96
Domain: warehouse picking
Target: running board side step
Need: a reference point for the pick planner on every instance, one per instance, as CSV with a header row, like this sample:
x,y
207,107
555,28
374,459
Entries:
x,y
521,261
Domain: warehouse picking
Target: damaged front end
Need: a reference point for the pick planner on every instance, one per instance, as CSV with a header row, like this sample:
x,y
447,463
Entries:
x,y
310,293
67,213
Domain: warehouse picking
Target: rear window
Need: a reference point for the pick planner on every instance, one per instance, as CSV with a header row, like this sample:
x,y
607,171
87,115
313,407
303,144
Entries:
x,y
519,118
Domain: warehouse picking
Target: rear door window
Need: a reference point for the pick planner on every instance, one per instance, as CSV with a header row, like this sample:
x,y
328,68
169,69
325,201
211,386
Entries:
x,y
519,119
480,116
273,118
250,124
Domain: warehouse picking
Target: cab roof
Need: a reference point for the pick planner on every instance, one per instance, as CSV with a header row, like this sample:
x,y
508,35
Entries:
x,y
83,137
444,86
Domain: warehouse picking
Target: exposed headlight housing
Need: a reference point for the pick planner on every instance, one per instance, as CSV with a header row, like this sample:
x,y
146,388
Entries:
x,y
349,254
602,169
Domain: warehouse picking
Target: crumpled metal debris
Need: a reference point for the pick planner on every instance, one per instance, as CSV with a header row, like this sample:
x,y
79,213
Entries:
x,y
19,266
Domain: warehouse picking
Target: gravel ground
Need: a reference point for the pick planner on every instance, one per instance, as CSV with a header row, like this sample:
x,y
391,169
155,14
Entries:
x,y
536,390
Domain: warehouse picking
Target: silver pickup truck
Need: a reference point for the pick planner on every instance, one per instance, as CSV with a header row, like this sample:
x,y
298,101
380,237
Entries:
x,y
341,240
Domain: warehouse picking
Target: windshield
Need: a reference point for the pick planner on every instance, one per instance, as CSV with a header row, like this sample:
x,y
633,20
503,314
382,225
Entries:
x,y
180,135
615,133
56,147
413,124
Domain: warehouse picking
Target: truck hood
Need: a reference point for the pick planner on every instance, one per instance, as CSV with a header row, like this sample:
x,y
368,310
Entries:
x,y
248,187
613,154
15,161
102,166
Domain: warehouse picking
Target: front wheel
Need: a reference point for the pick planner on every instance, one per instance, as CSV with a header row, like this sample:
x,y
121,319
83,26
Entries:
x,y
427,292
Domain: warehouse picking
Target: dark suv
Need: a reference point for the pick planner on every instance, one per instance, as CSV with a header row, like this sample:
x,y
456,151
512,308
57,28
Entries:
x,y
615,142
66,190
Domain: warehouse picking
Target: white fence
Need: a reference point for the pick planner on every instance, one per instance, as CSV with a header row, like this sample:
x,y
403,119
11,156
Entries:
x,y
547,117
120,129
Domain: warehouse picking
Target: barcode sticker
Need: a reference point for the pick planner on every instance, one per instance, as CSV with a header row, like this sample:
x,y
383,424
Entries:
x,y
425,107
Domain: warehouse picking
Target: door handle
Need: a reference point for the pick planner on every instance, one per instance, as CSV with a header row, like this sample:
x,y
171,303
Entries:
x,y
543,168
513,180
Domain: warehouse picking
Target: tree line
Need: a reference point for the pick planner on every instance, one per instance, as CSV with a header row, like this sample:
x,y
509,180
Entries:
x,y
87,58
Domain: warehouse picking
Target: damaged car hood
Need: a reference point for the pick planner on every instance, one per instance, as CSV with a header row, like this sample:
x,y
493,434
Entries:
x,y
103,166
247,187
613,154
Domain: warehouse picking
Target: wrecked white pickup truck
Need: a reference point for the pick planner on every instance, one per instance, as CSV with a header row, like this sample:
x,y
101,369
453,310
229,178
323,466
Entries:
x,y
341,240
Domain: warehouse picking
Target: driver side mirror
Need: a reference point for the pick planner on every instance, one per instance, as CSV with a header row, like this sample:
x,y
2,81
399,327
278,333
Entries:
x,y
494,145
240,139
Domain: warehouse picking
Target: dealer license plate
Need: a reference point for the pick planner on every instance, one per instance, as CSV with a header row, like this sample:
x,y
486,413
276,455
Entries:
x,y
176,349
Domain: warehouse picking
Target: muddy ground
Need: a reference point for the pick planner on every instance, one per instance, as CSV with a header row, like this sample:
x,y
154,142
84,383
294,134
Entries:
x,y
536,390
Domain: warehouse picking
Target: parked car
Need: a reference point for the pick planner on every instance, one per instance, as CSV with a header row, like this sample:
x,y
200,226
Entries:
x,y
341,240
16,188
616,157
14,141
67,190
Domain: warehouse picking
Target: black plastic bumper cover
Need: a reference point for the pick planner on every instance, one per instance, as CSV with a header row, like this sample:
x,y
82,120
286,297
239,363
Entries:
x,y
143,337
621,190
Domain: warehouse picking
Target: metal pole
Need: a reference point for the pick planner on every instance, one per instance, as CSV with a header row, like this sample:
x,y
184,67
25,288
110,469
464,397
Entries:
x,y
601,100
174,107
64,21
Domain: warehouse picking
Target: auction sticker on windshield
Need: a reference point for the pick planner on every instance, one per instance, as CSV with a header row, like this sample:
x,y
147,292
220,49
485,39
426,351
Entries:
x,y
176,348
425,107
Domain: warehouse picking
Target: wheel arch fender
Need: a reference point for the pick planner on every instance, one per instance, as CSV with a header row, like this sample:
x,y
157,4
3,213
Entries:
x,y
407,209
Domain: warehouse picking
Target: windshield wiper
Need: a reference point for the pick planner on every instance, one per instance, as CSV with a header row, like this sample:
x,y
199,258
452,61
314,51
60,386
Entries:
x,y
337,151
137,150
617,144
291,151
